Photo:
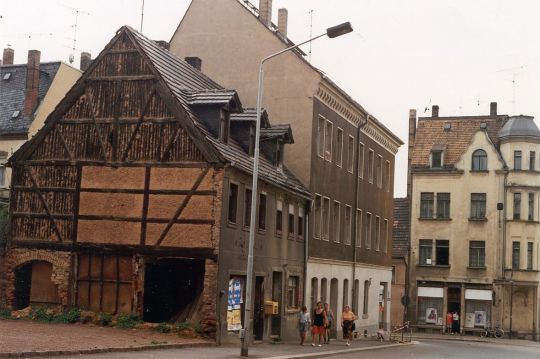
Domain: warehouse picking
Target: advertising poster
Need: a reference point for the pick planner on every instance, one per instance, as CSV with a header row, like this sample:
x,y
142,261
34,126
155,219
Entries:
x,y
469,320
431,316
480,318
234,301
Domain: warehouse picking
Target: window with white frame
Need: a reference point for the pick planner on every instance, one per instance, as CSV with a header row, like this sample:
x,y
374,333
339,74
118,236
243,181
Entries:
x,y
371,159
377,233
320,137
350,154
339,148
328,135
279,218
358,234
293,291
300,222
336,221
361,160
385,236
348,223
326,219
368,230
317,216
290,220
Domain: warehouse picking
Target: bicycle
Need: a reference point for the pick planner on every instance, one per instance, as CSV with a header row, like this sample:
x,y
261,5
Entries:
x,y
492,332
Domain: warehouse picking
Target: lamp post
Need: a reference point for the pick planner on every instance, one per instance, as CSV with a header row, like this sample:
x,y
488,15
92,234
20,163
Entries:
x,y
331,32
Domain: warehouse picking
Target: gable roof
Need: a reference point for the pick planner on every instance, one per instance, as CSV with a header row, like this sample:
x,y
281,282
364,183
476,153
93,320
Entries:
x,y
283,131
13,92
400,233
250,114
432,135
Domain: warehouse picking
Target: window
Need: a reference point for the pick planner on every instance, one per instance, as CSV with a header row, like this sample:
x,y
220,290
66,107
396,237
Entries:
x,y
477,254
292,291
436,159
479,160
530,255
517,160
328,134
478,205
280,149
355,296
251,149
517,205
532,160
233,202
387,177
393,274
348,223
426,248
326,219
345,292
320,137
279,218
530,216
366,297
443,205
350,157
336,214
442,252
224,126
378,173
317,219
368,230
339,149
290,221
361,160
426,204
358,234
515,255
377,233
262,211
247,207
300,223
2,175
385,236
371,155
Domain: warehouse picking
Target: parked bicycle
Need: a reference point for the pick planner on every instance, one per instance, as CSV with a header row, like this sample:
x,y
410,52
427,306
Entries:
x,y
492,332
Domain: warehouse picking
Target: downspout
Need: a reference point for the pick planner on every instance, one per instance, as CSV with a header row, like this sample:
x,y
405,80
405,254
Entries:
x,y
504,255
306,248
356,185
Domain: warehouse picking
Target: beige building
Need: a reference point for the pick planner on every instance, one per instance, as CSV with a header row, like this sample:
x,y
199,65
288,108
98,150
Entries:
x,y
28,94
473,221
342,153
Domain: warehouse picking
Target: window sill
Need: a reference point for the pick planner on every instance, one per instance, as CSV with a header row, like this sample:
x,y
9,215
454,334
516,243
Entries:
x,y
277,234
433,266
522,270
261,230
524,221
291,237
232,224
479,171
434,219
365,316
478,219
477,268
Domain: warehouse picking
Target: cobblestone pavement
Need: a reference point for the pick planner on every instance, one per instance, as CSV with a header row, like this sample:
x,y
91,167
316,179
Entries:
x,y
18,336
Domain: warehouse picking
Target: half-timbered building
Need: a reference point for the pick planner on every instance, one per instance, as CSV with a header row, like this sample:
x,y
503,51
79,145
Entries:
x,y
132,197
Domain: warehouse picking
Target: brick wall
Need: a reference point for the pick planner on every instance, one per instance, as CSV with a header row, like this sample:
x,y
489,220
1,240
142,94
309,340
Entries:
x,y
207,312
61,262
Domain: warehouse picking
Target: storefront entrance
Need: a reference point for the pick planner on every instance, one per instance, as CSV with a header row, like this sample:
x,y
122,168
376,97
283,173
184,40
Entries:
x,y
454,303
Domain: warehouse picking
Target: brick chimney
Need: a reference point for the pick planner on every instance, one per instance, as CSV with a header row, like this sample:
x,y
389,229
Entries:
x,y
493,109
32,82
194,61
9,54
86,60
435,111
412,135
265,11
283,15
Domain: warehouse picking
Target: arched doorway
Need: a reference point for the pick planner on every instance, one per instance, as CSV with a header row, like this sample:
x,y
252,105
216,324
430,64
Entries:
x,y
34,285
314,291
334,303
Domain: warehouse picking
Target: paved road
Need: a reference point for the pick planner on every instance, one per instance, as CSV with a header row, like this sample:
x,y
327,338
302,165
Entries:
x,y
450,349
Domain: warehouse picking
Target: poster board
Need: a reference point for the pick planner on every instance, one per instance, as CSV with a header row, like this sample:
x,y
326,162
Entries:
x,y
431,316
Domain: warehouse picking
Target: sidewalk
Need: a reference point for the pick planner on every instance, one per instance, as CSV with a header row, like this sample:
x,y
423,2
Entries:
x,y
471,338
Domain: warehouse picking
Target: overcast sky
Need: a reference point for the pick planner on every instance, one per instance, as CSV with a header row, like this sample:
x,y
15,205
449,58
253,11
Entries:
x,y
458,54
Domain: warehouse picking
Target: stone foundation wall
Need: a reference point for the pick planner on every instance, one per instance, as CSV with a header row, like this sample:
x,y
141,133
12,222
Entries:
x,y
207,312
61,262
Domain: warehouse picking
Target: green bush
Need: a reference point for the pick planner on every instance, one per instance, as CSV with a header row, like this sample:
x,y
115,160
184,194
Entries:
x,y
163,328
183,325
5,314
42,315
127,321
71,316
105,319
45,315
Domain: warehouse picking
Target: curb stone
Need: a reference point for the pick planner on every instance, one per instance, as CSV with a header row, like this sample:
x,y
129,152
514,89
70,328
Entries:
x,y
50,353
334,352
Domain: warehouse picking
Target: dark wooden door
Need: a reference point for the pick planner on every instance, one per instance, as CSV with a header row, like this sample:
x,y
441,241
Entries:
x,y
258,310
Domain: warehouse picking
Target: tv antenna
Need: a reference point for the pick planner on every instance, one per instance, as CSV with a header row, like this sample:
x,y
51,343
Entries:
x,y
75,26
515,71
142,14
310,32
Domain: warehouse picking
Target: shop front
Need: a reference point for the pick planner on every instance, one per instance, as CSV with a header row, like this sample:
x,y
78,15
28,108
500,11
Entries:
x,y
478,309
430,308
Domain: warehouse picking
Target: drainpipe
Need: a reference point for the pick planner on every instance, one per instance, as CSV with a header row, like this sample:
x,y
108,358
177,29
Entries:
x,y
504,254
306,248
356,184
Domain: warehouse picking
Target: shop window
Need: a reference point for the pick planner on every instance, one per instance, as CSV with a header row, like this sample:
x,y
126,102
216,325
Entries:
x,y
480,310
478,205
279,218
479,160
442,252
517,160
530,246
443,205
262,211
429,310
515,255
517,205
293,292
233,202
477,254
336,221
426,249
426,204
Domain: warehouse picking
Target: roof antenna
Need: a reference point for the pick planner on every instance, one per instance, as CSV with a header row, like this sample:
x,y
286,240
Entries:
x,y
74,26
516,71
310,32
142,14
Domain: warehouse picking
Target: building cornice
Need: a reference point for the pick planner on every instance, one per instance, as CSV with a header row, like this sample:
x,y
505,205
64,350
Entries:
x,y
315,260
337,102
437,172
376,134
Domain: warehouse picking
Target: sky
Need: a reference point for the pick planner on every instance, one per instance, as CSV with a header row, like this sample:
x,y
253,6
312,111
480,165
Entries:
x,y
458,54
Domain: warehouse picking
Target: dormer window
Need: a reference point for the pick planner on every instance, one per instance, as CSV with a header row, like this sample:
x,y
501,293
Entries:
x,y
436,159
479,160
251,145
279,154
224,125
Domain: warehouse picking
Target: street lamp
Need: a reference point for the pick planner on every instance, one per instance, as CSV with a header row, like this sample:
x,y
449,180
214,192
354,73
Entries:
x,y
331,32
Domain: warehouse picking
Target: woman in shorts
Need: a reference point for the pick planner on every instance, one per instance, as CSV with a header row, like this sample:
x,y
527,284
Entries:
x,y
319,317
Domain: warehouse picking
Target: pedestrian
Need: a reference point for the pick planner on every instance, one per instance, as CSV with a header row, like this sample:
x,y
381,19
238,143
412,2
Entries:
x,y
449,322
318,324
455,323
329,323
347,323
304,321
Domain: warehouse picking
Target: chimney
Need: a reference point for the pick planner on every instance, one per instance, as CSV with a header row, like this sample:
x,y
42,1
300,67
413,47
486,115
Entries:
x,y
163,44
412,135
265,12
32,82
283,15
493,109
435,111
86,60
9,54
194,61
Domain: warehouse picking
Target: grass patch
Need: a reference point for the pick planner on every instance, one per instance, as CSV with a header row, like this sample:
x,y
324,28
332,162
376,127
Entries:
x,y
5,314
163,328
47,316
105,319
128,321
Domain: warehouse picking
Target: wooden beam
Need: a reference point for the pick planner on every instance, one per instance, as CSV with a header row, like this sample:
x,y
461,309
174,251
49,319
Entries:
x,y
146,198
139,123
116,126
172,140
76,202
90,102
98,217
44,189
122,121
179,192
64,143
181,208
45,205
180,164
121,78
